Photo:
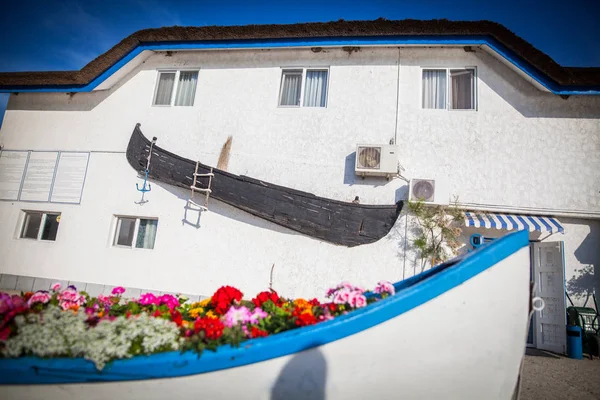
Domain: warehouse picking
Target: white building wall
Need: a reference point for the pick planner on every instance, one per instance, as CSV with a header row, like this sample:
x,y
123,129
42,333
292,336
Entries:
x,y
518,150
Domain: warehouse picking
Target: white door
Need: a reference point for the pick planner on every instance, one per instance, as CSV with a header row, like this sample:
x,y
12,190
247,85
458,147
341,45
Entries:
x,y
549,279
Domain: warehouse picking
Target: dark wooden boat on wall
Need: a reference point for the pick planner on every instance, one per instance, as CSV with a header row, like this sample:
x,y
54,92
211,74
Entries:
x,y
333,221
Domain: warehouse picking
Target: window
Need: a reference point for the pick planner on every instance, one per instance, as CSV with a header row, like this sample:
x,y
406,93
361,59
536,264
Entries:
x,y
143,230
176,88
452,89
40,225
303,86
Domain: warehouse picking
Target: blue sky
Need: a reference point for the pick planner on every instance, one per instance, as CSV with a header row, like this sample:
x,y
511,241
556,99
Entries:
x,y
38,35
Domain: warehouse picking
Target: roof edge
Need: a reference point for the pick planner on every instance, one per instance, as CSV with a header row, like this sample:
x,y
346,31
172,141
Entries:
x,y
557,79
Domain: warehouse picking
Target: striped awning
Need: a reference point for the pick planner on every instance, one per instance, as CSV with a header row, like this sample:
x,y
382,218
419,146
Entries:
x,y
512,221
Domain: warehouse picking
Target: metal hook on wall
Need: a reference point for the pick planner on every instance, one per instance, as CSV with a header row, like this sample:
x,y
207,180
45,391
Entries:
x,y
146,187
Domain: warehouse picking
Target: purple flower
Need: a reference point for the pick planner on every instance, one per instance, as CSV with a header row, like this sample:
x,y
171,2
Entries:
x,y
118,290
8,302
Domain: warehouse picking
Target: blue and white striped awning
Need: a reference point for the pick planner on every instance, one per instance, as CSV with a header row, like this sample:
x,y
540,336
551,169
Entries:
x,y
511,221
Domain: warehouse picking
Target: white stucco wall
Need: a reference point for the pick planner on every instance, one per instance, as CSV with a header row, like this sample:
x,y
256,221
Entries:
x,y
519,149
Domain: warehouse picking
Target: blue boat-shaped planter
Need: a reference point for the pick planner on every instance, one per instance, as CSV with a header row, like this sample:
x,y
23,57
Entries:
x,y
457,331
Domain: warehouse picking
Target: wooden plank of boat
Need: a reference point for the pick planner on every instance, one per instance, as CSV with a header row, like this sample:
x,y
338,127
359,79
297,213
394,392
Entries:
x,y
333,221
458,331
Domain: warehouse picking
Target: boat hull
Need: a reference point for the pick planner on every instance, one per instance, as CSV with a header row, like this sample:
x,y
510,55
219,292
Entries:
x,y
458,335
333,221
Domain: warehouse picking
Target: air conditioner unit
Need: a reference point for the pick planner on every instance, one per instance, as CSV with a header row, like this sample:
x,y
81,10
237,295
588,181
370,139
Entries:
x,y
376,160
430,191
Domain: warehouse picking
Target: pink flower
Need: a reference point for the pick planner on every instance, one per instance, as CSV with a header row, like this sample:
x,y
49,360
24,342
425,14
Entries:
x,y
56,287
148,299
326,315
170,300
234,315
352,287
105,300
342,296
358,300
384,287
65,304
41,296
69,294
257,314
245,331
347,286
118,290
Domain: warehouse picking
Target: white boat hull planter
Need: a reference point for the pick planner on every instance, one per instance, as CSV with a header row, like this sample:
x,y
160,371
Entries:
x,y
457,331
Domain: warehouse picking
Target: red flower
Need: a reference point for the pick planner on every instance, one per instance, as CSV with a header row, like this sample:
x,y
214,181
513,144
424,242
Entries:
x,y
332,307
156,314
263,297
27,296
257,332
212,327
176,317
305,319
315,302
5,333
224,297
128,314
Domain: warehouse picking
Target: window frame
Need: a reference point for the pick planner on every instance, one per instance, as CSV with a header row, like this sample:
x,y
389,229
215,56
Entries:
x,y
177,72
448,88
117,226
38,238
303,71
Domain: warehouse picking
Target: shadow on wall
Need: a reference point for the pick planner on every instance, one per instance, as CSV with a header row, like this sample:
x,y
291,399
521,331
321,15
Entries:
x,y
587,279
529,100
194,218
583,283
303,377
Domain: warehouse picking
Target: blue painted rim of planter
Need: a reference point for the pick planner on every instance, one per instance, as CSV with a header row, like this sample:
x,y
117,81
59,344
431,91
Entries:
x,y
449,40
413,292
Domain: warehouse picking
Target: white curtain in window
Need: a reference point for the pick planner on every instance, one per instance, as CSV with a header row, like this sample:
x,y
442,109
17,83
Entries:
x,y
166,81
186,90
315,90
146,234
462,89
434,88
290,88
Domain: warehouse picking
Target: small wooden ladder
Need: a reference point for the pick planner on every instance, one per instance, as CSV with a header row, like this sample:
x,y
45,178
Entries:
x,y
206,191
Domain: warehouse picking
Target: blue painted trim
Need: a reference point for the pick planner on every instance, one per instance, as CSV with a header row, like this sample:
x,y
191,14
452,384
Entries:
x,y
509,55
411,293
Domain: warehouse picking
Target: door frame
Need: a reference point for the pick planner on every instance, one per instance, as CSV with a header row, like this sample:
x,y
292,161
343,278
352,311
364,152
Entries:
x,y
533,320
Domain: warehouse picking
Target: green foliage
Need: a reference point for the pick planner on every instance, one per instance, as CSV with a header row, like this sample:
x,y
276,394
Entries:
x,y
438,231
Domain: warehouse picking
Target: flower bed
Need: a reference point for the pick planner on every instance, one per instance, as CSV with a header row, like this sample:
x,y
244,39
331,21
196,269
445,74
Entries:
x,y
68,323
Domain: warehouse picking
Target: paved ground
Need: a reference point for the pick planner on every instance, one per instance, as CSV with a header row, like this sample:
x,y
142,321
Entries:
x,y
560,378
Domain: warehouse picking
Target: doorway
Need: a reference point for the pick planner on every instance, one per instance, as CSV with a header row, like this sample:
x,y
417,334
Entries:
x,y
548,327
